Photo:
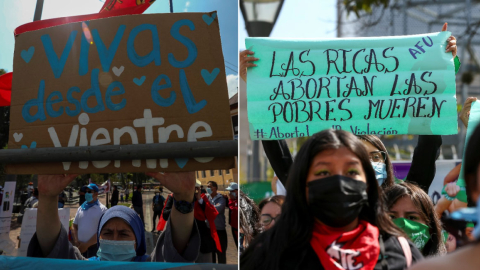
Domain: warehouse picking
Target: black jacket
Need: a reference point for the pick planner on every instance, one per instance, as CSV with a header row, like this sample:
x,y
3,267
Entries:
x,y
306,258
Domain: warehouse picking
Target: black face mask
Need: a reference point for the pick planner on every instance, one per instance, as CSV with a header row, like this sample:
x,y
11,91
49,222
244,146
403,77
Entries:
x,y
336,200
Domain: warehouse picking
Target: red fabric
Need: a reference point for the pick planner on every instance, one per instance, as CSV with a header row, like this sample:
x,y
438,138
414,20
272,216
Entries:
x,y
162,222
119,4
64,20
233,206
6,89
356,249
111,8
210,214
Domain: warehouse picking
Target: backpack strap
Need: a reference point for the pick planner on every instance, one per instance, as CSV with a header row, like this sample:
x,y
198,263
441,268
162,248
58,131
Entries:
x,y
406,250
383,259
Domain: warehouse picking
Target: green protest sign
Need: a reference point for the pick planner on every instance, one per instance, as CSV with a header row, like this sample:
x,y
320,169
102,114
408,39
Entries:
x,y
382,85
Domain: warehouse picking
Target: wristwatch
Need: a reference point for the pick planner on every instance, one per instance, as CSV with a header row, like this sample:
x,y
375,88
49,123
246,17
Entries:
x,y
183,207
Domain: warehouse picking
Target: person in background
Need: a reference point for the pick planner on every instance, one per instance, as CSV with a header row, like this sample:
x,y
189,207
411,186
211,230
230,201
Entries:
x,y
204,211
270,211
137,202
157,206
114,196
203,190
30,189
412,210
85,224
81,194
32,200
334,216
61,199
233,213
465,258
127,194
217,200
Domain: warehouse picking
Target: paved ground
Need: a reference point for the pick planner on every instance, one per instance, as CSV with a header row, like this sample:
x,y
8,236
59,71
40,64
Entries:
x,y
151,238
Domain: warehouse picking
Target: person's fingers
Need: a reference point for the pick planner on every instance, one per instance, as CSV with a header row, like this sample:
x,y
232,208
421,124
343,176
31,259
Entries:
x,y
248,59
444,28
250,65
451,48
245,53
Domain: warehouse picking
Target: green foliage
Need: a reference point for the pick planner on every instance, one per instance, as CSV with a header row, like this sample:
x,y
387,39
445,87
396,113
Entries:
x,y
366,5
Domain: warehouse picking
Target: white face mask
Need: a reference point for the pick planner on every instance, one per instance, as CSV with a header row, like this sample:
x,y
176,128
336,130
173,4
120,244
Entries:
x,y
380,172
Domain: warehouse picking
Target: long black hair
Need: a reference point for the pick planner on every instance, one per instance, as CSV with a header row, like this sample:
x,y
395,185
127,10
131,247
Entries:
x,y
377,143
435,246
294,228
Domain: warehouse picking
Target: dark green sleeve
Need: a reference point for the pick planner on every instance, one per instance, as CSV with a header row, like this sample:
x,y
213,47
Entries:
x,y
457,64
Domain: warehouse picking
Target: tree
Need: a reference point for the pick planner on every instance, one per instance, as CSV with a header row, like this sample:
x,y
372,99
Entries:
x,y
366,5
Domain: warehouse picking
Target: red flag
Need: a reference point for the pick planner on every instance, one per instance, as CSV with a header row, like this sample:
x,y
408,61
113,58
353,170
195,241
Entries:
x,y
210,214
162,222
5,89
118,4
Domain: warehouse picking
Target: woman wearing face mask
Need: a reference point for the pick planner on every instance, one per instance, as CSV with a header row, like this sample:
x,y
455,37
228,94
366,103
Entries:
x,y
467,257
333,216
422,169
120,234
270,210
412,210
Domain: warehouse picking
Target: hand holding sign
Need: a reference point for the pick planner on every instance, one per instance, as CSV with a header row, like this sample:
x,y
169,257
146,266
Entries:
x,y
465,112
245,62
452,42
182,184
52,185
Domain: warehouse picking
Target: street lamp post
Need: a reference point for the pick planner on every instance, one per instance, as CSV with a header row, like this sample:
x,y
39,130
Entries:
x,y
260,17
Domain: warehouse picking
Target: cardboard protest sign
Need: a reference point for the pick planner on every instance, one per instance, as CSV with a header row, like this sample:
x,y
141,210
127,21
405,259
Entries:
x,y
29,227
383,85
136,79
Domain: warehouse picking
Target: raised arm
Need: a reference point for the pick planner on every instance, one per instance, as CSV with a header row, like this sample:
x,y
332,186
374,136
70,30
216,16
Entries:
x,y
183,187
48,221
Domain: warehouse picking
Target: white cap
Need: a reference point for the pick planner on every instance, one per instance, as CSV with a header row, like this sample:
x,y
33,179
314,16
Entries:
x,y
232,186
198,183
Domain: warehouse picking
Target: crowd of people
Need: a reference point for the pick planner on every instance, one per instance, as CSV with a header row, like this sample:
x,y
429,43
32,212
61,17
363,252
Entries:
x,y
344,208
191,223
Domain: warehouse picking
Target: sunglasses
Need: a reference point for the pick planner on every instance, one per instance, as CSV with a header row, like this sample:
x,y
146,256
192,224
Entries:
x,y
89,191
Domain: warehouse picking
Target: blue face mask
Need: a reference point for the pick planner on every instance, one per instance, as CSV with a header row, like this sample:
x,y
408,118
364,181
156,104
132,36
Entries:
x,y
380,172
209,190
88,197
233,194
110,250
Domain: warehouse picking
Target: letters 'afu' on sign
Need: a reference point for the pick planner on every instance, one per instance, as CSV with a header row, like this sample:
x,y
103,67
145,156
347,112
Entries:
x,y
386,85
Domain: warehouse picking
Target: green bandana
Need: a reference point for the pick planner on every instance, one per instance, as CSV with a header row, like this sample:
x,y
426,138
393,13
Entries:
x,y
417,232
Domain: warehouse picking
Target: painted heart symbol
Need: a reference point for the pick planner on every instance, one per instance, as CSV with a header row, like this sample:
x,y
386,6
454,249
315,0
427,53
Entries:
x,y
207,19
27,55
210,77
138,81
17,136
32,145
118,71
181,162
